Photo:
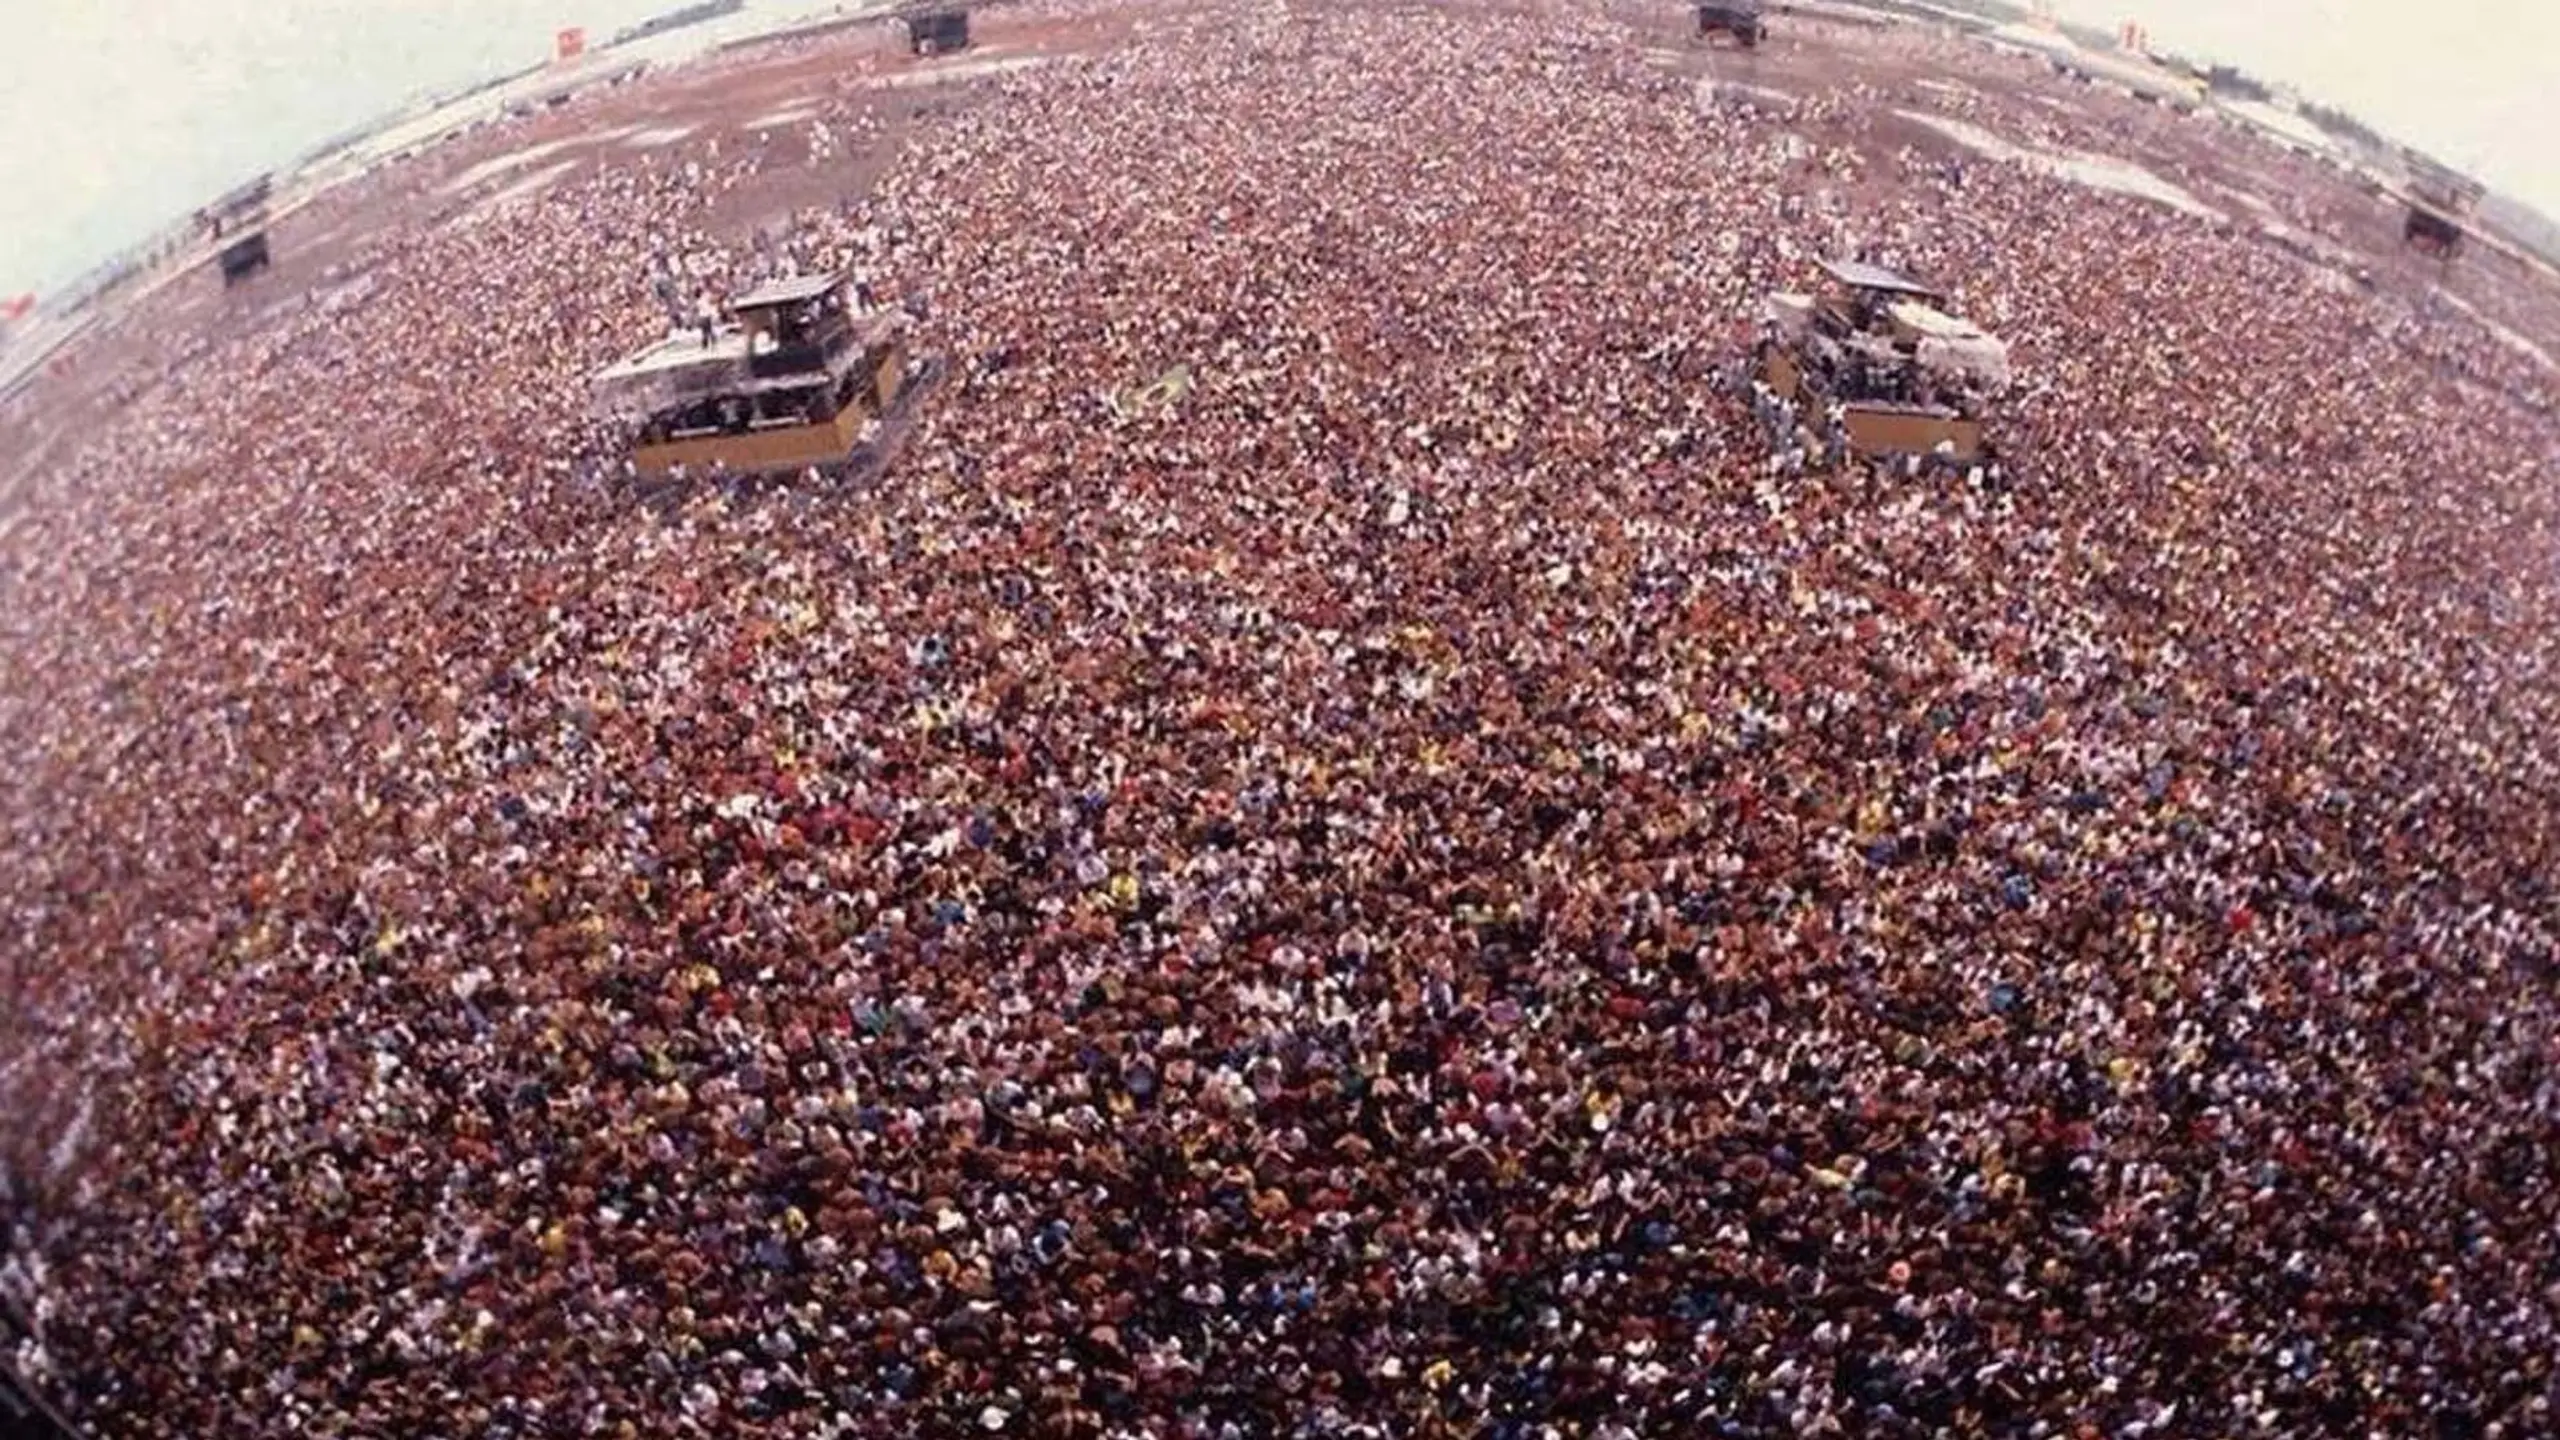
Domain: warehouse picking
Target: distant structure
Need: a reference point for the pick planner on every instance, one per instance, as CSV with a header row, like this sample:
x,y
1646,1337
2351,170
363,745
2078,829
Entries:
x,y
244,258
2127,70
676,19
2431,231
788,383
2280,126
937,31
2440,183
237,224
1735,20
1866,14
242,208
548,87
2443,206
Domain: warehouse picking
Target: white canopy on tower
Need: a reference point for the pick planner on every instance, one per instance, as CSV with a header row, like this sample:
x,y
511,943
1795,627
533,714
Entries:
x,y
1953,346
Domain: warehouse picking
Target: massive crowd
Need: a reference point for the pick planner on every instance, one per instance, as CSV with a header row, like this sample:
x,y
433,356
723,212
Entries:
x,y
1408,886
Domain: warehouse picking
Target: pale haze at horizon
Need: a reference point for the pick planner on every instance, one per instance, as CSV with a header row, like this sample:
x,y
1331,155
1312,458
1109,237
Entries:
x,y
118,119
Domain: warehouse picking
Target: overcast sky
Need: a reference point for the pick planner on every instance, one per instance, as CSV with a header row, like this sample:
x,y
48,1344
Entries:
x,y
2476,83
117,117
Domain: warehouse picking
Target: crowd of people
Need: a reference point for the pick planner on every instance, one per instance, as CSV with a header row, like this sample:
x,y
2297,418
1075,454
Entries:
x,y
1407,884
